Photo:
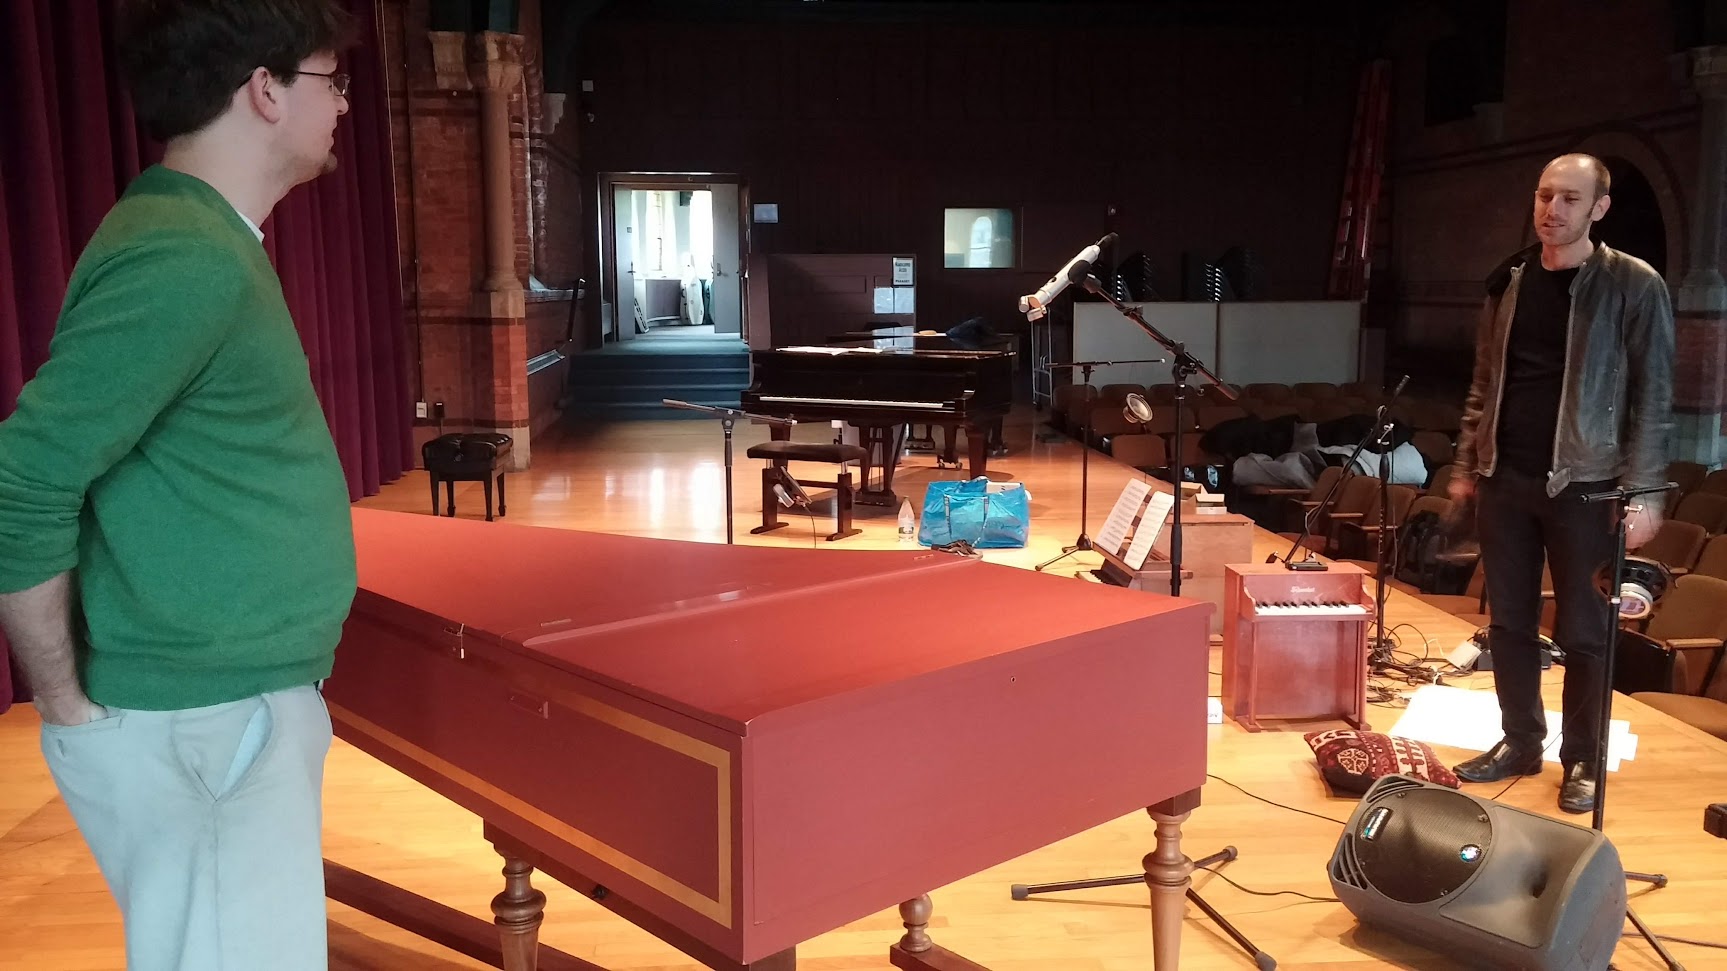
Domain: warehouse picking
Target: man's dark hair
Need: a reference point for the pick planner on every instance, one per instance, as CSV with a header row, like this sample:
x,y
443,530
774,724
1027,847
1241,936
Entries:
x,y
183,59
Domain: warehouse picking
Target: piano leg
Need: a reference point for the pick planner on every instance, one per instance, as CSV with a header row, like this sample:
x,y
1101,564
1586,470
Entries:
x,y
977,450
949,458
518,912
915,951
1168,872
883,443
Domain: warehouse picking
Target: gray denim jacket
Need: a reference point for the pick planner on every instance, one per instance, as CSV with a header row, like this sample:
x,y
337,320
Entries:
x,y
1615,405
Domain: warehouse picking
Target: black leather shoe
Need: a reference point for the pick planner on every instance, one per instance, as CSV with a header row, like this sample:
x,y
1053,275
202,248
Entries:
x,y
1577,793
1502,761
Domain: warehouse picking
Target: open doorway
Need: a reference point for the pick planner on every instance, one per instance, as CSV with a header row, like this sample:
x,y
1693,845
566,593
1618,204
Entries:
x,y
673,253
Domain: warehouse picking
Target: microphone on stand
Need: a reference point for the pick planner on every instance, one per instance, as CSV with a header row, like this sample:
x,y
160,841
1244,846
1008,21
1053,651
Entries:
x,y
1036,305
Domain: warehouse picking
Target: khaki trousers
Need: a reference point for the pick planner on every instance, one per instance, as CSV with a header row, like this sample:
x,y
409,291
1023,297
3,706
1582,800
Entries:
x,y
206,824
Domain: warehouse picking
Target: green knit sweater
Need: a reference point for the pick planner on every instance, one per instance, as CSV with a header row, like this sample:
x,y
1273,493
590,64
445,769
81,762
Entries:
x,y
172,452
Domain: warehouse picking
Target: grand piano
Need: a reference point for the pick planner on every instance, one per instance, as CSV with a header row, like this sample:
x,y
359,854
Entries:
x,y
881,391
685,734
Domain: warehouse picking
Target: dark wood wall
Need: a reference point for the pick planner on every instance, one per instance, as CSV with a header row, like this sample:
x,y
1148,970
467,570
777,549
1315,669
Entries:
x,y
1181,138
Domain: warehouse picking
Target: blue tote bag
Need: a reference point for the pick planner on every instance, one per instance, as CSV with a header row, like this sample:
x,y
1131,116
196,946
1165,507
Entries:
x,y
984,514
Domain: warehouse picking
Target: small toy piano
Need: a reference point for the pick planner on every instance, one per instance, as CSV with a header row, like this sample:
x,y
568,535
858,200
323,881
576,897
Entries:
x,y
1295,643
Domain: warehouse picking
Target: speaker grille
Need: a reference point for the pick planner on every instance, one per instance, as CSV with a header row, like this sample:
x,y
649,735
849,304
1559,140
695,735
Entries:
x,y
1418,845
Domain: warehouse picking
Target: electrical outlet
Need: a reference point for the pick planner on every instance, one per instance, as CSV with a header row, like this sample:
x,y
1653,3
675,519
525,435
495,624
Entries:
x,y
420,410
438,410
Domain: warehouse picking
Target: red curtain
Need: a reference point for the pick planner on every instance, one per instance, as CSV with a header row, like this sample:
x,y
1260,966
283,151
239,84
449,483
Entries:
x,y
68,148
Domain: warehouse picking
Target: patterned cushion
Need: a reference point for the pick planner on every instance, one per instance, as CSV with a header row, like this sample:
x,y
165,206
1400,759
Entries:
x,y
1351,760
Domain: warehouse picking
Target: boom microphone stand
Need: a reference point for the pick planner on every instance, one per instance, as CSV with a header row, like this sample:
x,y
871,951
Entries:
x,y
1083,543
1380,430
727,417
1598,820
1379,656
1184,365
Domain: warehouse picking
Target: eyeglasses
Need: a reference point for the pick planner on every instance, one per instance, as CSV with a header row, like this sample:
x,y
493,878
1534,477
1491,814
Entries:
x,y
338,80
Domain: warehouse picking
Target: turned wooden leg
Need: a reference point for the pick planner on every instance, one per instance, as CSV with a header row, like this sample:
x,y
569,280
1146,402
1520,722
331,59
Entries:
x,y
915,914
1168,874
518,912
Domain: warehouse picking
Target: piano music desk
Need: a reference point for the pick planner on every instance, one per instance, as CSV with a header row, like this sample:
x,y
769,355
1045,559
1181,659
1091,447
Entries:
x,y
737,766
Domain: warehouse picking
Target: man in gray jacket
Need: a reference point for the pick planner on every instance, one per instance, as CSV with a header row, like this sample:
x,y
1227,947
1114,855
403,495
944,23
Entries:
x,y
1572,394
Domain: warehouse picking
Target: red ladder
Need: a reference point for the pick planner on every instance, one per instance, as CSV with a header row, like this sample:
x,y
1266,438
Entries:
x,y
1351,257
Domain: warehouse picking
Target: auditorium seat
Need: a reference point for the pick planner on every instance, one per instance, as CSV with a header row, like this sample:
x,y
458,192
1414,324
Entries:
x,y
1712,562
1707,509
1676,545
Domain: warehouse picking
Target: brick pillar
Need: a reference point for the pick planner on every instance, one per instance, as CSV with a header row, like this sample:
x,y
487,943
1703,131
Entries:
x,y
1700,359
499,358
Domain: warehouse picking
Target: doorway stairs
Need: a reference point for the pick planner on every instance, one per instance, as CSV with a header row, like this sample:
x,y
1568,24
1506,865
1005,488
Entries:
x,y
627,380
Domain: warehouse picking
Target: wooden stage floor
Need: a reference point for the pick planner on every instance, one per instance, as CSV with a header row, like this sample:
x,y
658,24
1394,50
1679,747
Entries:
x,y
664,479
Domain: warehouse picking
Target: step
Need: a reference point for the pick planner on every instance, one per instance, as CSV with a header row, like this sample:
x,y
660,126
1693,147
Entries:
x,y
691,377
675,360
652,392
582,412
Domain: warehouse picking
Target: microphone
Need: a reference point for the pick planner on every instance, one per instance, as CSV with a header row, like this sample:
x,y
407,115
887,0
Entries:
x,y
1036,305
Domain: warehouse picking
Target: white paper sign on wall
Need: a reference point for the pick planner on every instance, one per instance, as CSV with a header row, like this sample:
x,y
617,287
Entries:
x,y
902,271
767,212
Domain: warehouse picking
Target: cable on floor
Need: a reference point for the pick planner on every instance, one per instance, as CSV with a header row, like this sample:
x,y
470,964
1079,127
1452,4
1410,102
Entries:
x,y
1269,802
1268,893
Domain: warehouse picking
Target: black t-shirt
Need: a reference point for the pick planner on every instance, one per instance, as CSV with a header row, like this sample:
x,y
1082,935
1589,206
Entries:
x,y
1535,369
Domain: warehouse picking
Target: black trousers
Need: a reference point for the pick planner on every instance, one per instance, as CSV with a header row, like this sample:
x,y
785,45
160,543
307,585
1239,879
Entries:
x,y
1519,525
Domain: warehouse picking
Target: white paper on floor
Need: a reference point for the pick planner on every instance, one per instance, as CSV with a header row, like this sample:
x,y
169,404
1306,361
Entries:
x,y
1466,719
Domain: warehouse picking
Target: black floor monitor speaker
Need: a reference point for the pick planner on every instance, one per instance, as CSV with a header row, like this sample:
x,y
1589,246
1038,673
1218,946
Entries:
x,y
1494,886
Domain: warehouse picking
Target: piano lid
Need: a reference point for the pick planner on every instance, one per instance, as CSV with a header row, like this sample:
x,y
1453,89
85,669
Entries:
x,y
726,634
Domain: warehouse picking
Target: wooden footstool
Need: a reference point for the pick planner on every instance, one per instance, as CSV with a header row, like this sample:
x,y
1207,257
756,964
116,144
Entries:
x,y
780,453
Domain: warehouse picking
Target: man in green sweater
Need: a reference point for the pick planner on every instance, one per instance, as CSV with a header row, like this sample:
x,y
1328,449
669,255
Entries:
x,y
176,555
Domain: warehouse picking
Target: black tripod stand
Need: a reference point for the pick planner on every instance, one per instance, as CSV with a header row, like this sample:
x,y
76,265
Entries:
x,y
727,417
1263,960
1619,498
1185,365
1083,543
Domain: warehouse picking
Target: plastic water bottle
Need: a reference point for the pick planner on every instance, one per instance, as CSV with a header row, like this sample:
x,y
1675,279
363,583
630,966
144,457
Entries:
x,y
907,522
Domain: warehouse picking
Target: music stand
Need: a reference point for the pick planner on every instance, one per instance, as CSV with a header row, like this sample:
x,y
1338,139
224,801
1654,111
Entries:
x,y
727,417
1184,366
1597,821
1083,543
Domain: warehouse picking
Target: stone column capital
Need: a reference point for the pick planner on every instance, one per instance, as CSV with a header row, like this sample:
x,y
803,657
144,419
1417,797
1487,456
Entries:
x,y
495,60
449,63
1709,70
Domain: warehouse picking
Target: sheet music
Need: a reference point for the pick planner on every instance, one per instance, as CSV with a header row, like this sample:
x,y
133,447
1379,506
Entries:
x,y
1461,718
1150,524
1114,532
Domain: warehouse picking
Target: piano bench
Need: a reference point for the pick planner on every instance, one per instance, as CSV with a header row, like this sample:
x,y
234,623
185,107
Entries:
x,y
775,473
466,457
